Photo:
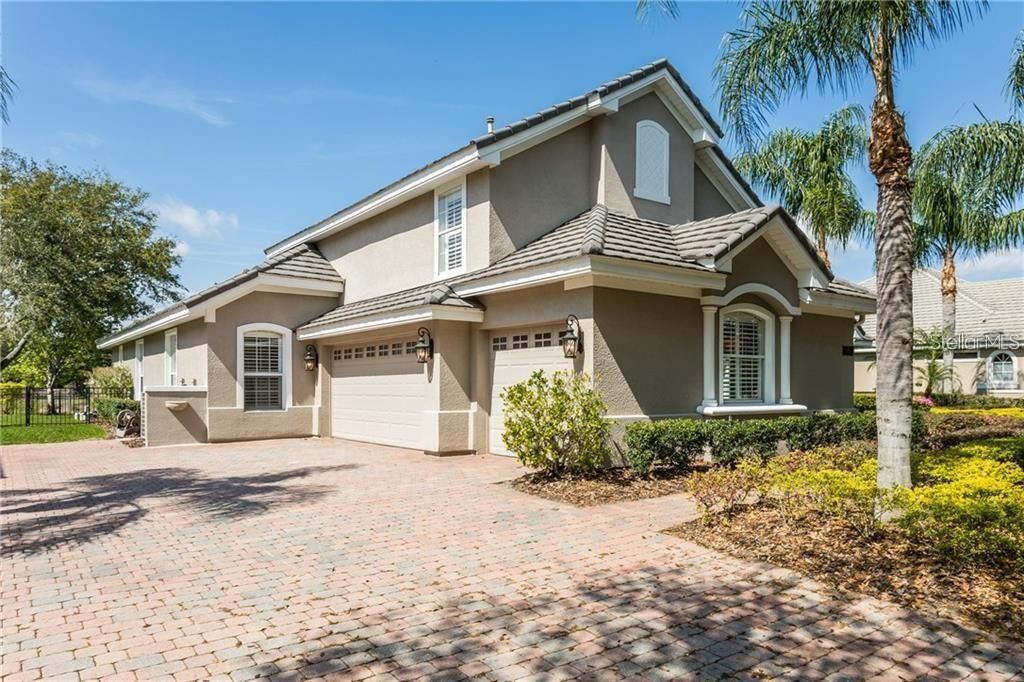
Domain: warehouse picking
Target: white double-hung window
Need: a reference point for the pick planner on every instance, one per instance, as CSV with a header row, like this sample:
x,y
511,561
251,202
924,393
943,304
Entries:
x,y
263,371
743,358
171,356
451,232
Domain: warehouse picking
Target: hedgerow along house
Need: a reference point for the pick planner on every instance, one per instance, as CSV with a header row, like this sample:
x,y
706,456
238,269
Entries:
x,y
613,216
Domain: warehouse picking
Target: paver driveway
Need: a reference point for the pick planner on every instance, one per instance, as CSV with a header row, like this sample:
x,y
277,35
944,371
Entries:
x,y
299,559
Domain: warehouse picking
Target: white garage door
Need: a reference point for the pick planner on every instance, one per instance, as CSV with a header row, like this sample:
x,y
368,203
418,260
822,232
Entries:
x,y
514,357
378,392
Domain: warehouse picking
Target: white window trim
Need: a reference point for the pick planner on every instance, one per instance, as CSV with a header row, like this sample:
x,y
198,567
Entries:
x,y
768,396
140,367
661,197
1001,385
168,381
438,193
286,361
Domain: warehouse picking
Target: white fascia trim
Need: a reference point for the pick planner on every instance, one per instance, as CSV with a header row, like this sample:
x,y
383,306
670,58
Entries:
x,y
738,410
286,360
751,288
385,320
529,277
823,302
699,128
652,272
170,319
426,180
298,285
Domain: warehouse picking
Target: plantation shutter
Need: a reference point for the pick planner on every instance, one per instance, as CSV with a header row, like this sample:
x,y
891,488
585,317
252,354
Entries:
x,y
742,358
263,371
450,232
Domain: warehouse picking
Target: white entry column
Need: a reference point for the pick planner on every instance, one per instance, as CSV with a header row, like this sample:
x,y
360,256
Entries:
x,y
785,325
710,384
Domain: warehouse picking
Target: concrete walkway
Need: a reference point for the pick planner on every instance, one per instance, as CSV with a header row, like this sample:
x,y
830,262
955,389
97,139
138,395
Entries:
x,y
302,559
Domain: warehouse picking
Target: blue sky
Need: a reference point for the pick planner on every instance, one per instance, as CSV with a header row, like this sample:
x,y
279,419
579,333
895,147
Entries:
x,y
249,121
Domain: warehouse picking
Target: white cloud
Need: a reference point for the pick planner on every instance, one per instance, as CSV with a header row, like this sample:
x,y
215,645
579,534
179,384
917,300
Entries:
x,y
175,213
181,248
72,141
155,93
994,265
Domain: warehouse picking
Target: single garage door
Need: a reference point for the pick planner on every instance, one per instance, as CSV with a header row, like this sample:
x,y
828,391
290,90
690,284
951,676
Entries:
x,y
514,357
378,391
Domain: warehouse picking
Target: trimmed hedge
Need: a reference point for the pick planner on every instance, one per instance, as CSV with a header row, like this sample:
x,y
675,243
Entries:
x,y
865,402
974,401
679,442
108,408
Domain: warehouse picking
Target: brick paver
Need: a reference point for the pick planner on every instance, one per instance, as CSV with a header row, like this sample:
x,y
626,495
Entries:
x,y
292,560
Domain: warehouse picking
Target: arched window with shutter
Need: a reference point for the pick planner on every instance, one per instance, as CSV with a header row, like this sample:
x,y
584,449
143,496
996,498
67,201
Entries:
x,y
652,150
747,355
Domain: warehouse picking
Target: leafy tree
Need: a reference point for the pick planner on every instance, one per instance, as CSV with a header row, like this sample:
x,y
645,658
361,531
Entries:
x,y
785,48
968,181
808,173
78,256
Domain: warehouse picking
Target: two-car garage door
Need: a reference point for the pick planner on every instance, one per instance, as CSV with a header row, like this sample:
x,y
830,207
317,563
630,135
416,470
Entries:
x,y
378,391
514,357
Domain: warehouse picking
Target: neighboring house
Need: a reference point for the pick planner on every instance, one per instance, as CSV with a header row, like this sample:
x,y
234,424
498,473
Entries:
x,y
989,352
616,207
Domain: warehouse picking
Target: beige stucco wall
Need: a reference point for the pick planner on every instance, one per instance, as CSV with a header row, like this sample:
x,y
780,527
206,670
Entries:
x,y
185,426
708,202
619,138
191,356
967,370
539,189
227,419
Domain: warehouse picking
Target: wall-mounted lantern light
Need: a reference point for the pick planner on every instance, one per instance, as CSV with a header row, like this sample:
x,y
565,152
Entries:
x,y
572,338
310,358
424,346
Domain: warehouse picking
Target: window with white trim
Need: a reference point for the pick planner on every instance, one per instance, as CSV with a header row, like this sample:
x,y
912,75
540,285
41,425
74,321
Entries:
x,y
140,362
1002,371
171,357
263,371
451,233
652,156
743,358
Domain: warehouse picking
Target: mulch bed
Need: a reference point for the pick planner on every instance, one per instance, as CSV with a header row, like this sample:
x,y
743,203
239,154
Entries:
x,y
611,485
887,566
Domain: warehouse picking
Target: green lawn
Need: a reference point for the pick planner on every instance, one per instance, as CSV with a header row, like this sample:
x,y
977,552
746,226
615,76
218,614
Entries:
x,y
42,432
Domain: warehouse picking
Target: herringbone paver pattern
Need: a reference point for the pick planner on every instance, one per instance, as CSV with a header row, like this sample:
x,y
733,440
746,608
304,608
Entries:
x,y
303,559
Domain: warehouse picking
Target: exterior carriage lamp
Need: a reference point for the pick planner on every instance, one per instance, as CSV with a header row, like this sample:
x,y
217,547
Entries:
x,y
424,346
572,338
310,357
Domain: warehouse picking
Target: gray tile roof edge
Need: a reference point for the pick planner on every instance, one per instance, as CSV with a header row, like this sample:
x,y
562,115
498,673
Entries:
x,y
214,289
524,123
435,293
717,151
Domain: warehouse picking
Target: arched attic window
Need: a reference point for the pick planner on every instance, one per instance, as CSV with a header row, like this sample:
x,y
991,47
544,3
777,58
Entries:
x,y
652,154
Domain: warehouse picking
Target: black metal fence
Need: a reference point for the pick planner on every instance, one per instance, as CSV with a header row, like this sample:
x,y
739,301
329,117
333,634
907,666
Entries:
x,y
59,406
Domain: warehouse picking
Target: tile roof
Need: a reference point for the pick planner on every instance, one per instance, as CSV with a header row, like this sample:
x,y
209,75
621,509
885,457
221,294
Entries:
x,y
541,116
597,231
600,91
988,307
435,293
301,262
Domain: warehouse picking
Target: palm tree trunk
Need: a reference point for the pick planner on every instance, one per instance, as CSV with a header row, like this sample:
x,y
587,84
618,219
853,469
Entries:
x,y
823,249
889,159
948,315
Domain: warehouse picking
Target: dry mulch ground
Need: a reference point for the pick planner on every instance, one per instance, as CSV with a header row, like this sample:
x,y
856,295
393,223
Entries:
x,y
888,566
611,485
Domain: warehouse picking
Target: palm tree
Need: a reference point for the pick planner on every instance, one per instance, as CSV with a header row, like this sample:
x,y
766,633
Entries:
x,y
1015,79
784,48
807,172
967,181
928,347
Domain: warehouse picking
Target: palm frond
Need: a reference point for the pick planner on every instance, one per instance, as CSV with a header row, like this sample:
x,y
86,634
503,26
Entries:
x,y
1015,79
7,86
646,8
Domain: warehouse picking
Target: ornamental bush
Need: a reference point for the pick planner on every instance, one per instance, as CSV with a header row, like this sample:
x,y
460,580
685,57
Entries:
x,y
865,402
112,378
675,443
974,401
722,490
109,408
556,423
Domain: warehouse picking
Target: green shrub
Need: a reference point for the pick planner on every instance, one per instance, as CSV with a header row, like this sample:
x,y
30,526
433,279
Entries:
x,y
864,402
109,408
12,396
111,378
556,423
671,442
850,495
722,490
974,401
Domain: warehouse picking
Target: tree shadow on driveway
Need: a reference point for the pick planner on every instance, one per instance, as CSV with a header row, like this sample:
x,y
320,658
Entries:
x,y
93,506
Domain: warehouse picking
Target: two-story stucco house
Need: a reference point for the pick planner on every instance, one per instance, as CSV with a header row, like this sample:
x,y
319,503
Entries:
x,y
615,214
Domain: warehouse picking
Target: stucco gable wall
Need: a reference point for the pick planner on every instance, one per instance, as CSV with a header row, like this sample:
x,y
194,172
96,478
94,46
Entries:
x,y
619,136
708,202
759,263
